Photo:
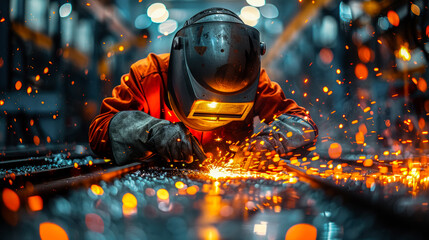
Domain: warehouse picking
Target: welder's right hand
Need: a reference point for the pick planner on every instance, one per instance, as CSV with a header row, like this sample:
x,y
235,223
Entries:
x,y
136,135
171,140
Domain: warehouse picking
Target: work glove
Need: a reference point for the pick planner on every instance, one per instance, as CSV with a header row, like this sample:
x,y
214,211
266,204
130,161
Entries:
x,y
135,135
170,140
286,136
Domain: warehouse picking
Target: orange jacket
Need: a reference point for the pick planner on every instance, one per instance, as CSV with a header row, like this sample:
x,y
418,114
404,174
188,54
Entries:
x,y
142,89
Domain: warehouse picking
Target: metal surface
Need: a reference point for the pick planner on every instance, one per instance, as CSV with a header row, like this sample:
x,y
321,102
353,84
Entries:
x,y
165,203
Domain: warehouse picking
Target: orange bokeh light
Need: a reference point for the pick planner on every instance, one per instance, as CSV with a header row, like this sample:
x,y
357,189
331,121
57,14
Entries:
x,y
10,199
129,200
51,231
393,18
179,185
335,150
422,85
361,71
208,233
301,231
97,190
36,140
360,138
325,89
363,129
365,54
192,190
162,194
18,85
35,203
368,162
422,123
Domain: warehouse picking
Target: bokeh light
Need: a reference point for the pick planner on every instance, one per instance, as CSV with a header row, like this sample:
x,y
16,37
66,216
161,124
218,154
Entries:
x,y
156,10
361,71
35,203
365,54
129,200
335,150
142,21
162,194
302,231
179,185
393,18
94,222
167,27
10,199
97,190
250,15
326,55
65,10
256,3
52,231
161,18
269,11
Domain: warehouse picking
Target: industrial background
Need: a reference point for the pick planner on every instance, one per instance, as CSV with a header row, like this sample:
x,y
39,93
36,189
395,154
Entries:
x,y
359,67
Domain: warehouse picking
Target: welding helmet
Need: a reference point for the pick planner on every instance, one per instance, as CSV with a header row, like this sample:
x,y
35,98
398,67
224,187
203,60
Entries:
x,y
214,69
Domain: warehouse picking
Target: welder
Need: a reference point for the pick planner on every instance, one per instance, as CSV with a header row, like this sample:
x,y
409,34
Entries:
x,y
203,96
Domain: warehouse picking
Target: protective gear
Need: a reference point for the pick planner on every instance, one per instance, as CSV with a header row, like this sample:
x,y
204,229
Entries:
x,y
286,136
214,69
143,89
135,134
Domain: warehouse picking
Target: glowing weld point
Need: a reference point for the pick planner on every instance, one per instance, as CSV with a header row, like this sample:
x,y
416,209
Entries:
x,y
218,173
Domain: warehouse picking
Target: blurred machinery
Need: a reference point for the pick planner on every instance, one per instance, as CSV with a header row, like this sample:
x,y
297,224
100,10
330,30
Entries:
x,y
57,54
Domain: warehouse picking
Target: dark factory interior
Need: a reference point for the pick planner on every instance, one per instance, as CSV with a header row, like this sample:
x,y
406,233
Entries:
x,y
357,68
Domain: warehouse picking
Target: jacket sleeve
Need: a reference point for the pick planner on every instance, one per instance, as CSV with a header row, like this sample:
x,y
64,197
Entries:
x,y
272,105
126,96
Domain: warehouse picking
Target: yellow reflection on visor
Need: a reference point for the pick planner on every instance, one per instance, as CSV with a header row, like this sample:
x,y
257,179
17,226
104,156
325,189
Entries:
x,y
211,110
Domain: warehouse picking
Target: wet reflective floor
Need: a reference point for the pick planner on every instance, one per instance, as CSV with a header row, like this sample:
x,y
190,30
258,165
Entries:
x,y
161,203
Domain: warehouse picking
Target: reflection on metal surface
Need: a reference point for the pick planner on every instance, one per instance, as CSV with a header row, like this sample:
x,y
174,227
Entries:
x,y
190,203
